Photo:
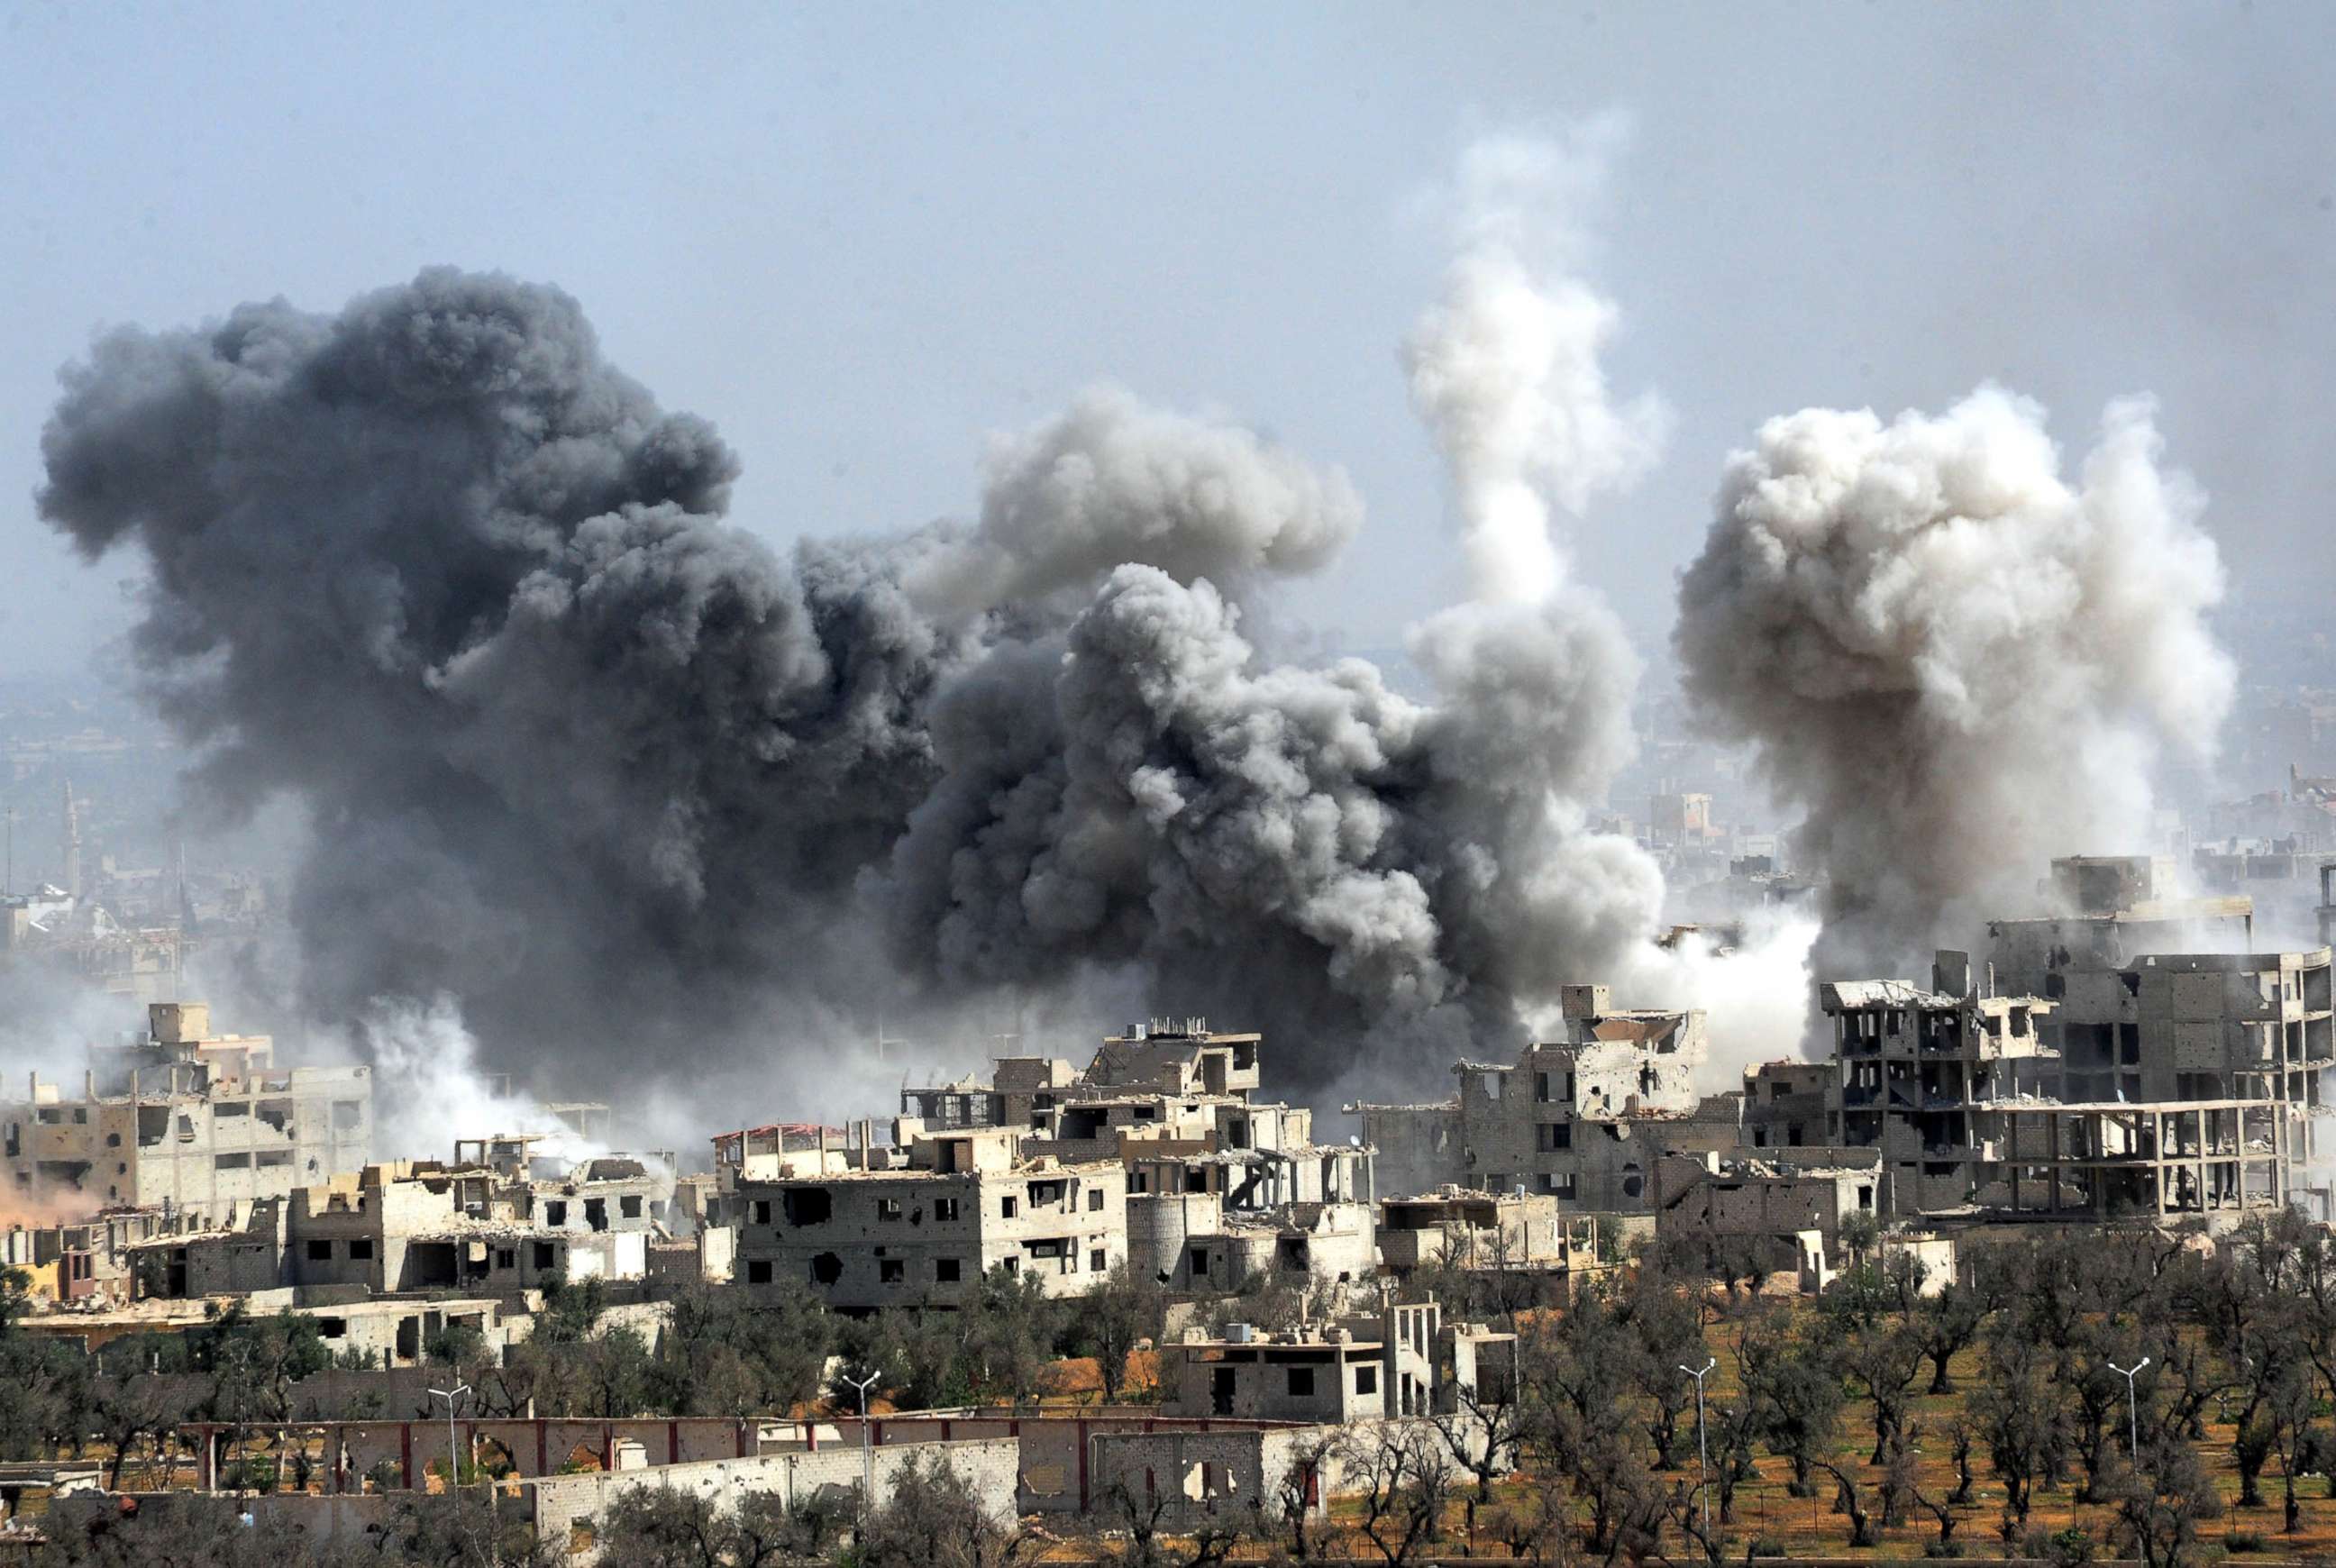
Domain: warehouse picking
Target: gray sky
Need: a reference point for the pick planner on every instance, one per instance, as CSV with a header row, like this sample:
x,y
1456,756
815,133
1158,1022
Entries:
x,y
860,238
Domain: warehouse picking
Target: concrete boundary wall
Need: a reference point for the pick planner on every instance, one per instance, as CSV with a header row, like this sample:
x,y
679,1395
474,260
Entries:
x,y
563,1507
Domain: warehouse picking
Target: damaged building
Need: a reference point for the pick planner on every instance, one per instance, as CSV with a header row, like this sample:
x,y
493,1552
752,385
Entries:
x,y
2164,999
1581,1120
485,1227
1916,1071
1223,1187
918,1224
2114,1081
1401,1360
182,1119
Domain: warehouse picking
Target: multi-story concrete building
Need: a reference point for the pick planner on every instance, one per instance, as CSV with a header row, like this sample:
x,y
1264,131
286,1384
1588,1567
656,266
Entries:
x,y
2181,1084
2162,999
864,1228
1916,1072
1223,1187
184,1119
1581,1119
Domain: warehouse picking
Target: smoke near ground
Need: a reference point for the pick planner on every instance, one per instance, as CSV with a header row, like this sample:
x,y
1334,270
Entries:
x,y
628,786
1957,662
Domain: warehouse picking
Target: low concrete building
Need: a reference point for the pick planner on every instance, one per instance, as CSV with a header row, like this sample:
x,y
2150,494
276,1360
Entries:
x,y
418,1226
921,1225
1707,1205
1396,1361
1483,1230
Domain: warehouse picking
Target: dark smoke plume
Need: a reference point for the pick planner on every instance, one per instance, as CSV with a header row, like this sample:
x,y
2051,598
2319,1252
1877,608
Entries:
x,y
626,784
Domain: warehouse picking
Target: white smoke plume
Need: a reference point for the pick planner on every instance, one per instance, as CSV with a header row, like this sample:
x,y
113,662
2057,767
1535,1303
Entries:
x,y
1956,662
1506,370
429,1088
1756,993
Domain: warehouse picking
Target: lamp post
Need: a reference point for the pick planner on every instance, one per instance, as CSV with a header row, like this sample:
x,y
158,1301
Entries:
x,y
867,1452
2132,1406
1702,1455
453,1465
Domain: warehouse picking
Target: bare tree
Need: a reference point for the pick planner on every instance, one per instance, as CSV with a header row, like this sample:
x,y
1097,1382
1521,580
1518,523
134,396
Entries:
x,y
1402,1483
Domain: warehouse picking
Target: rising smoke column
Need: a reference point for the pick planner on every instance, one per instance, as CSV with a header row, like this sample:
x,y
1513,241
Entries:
x,y
580,755
1956,662
1378,882
1505,367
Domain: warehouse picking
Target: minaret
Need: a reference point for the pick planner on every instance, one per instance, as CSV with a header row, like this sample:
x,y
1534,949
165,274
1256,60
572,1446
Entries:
x,y
73,843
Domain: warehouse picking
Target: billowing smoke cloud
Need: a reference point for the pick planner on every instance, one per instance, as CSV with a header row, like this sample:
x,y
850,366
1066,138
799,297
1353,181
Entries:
x,y
632,788
1957,663
1303,847
429,1090
1113,482
578,753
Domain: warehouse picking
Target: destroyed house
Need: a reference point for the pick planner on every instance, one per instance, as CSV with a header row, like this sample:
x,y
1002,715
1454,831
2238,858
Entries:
x,y
1579,1119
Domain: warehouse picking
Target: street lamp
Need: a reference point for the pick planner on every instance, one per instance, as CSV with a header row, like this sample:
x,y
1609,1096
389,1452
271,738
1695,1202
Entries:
x,y
867,1451
1702,1455
2132,1406
454,1466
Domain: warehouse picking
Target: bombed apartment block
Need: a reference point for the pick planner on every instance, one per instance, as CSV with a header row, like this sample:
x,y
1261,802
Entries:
x,y
1579,1119
483,1226
182,1119
2161,1001
1224,1188
2215,1159
919,1225
1916,1072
